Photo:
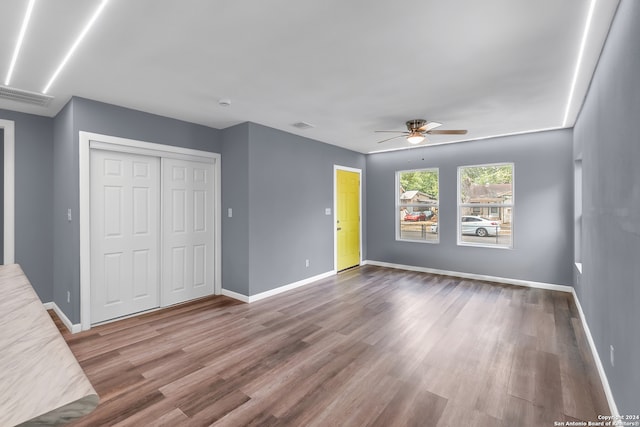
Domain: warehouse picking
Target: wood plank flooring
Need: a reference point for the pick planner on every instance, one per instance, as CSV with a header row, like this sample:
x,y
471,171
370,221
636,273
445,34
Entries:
x,y
368,347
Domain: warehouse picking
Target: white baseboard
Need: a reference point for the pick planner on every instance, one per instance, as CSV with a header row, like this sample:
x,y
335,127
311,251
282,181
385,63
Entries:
x,y
516,282
278,290
234,295
73,328
603,376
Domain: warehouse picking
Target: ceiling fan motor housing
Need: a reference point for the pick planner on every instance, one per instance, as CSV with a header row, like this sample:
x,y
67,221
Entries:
x,y
415,124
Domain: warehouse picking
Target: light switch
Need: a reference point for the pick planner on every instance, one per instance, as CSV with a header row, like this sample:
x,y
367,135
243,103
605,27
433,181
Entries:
x,y
229,212
69,215
327,211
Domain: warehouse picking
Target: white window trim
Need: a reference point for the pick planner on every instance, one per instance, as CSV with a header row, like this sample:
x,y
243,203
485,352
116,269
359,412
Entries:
x,y
9,191
577,212
398,206
511,205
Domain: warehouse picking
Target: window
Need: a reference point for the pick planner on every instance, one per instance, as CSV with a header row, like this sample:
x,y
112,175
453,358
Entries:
x,y
577,213
485,205
417,205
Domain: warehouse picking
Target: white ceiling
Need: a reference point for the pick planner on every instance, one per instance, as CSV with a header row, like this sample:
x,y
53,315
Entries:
x,y
494,67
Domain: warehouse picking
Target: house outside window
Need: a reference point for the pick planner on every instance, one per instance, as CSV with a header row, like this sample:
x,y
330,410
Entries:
x,y
417,202
485,205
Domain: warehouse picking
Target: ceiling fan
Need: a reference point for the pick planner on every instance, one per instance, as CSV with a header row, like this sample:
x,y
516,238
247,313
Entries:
x,y
418,129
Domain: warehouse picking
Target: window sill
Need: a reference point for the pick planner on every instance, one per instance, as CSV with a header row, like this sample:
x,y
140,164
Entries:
x,y
484,245
433,242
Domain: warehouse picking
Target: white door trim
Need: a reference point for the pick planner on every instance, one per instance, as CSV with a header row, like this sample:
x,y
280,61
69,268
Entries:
x,y
151,149
9,191
336,168
86,139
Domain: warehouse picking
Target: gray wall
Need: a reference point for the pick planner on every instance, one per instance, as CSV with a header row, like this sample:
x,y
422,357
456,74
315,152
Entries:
x,y
33,198
107,119
235,196
66,265
92,116
290,186
608,139
542,216
278,185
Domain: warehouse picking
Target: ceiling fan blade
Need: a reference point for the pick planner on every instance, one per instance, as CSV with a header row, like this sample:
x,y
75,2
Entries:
x,y
429,126
447,132
393,131
389,139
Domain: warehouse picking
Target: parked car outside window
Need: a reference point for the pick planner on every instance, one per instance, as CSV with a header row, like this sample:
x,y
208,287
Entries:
x,y
415,216
479,226
475,225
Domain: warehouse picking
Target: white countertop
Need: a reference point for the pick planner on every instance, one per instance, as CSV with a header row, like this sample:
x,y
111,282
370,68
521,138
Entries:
x,y
41,382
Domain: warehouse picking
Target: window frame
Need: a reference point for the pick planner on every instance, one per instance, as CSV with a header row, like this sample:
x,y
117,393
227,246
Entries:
x,y
488,206
399,205
577,213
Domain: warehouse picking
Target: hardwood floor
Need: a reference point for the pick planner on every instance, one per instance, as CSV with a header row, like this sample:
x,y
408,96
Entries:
x,y
370,346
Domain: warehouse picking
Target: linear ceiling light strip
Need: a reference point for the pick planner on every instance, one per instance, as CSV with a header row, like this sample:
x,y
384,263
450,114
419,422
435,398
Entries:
x,y
84,32
23,30
579,63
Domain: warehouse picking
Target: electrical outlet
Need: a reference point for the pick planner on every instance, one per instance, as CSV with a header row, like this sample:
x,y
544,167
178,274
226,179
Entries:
x,y
611,351
69,215
68,296
306,263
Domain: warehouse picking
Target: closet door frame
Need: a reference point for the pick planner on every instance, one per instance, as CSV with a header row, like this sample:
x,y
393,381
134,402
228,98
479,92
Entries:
x,y
90,140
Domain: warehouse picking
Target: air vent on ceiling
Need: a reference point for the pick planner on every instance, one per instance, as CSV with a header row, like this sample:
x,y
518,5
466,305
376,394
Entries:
x,y
25,96
303,125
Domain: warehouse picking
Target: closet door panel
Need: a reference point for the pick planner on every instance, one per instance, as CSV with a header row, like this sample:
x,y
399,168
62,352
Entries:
x,y
187,209
125,234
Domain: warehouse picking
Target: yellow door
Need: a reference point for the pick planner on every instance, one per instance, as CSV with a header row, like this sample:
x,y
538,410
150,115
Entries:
x,y
348,218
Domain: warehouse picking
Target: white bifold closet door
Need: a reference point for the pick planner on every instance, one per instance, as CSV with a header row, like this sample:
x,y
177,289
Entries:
x,y
125,234
187,230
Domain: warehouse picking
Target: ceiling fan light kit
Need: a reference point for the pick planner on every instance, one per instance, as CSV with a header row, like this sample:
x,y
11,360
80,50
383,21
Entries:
x,y
415,138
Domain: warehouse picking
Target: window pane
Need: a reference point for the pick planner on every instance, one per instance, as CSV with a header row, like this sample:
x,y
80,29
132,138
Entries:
x,y
418,205
491,227
418,223
486,184
419,187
